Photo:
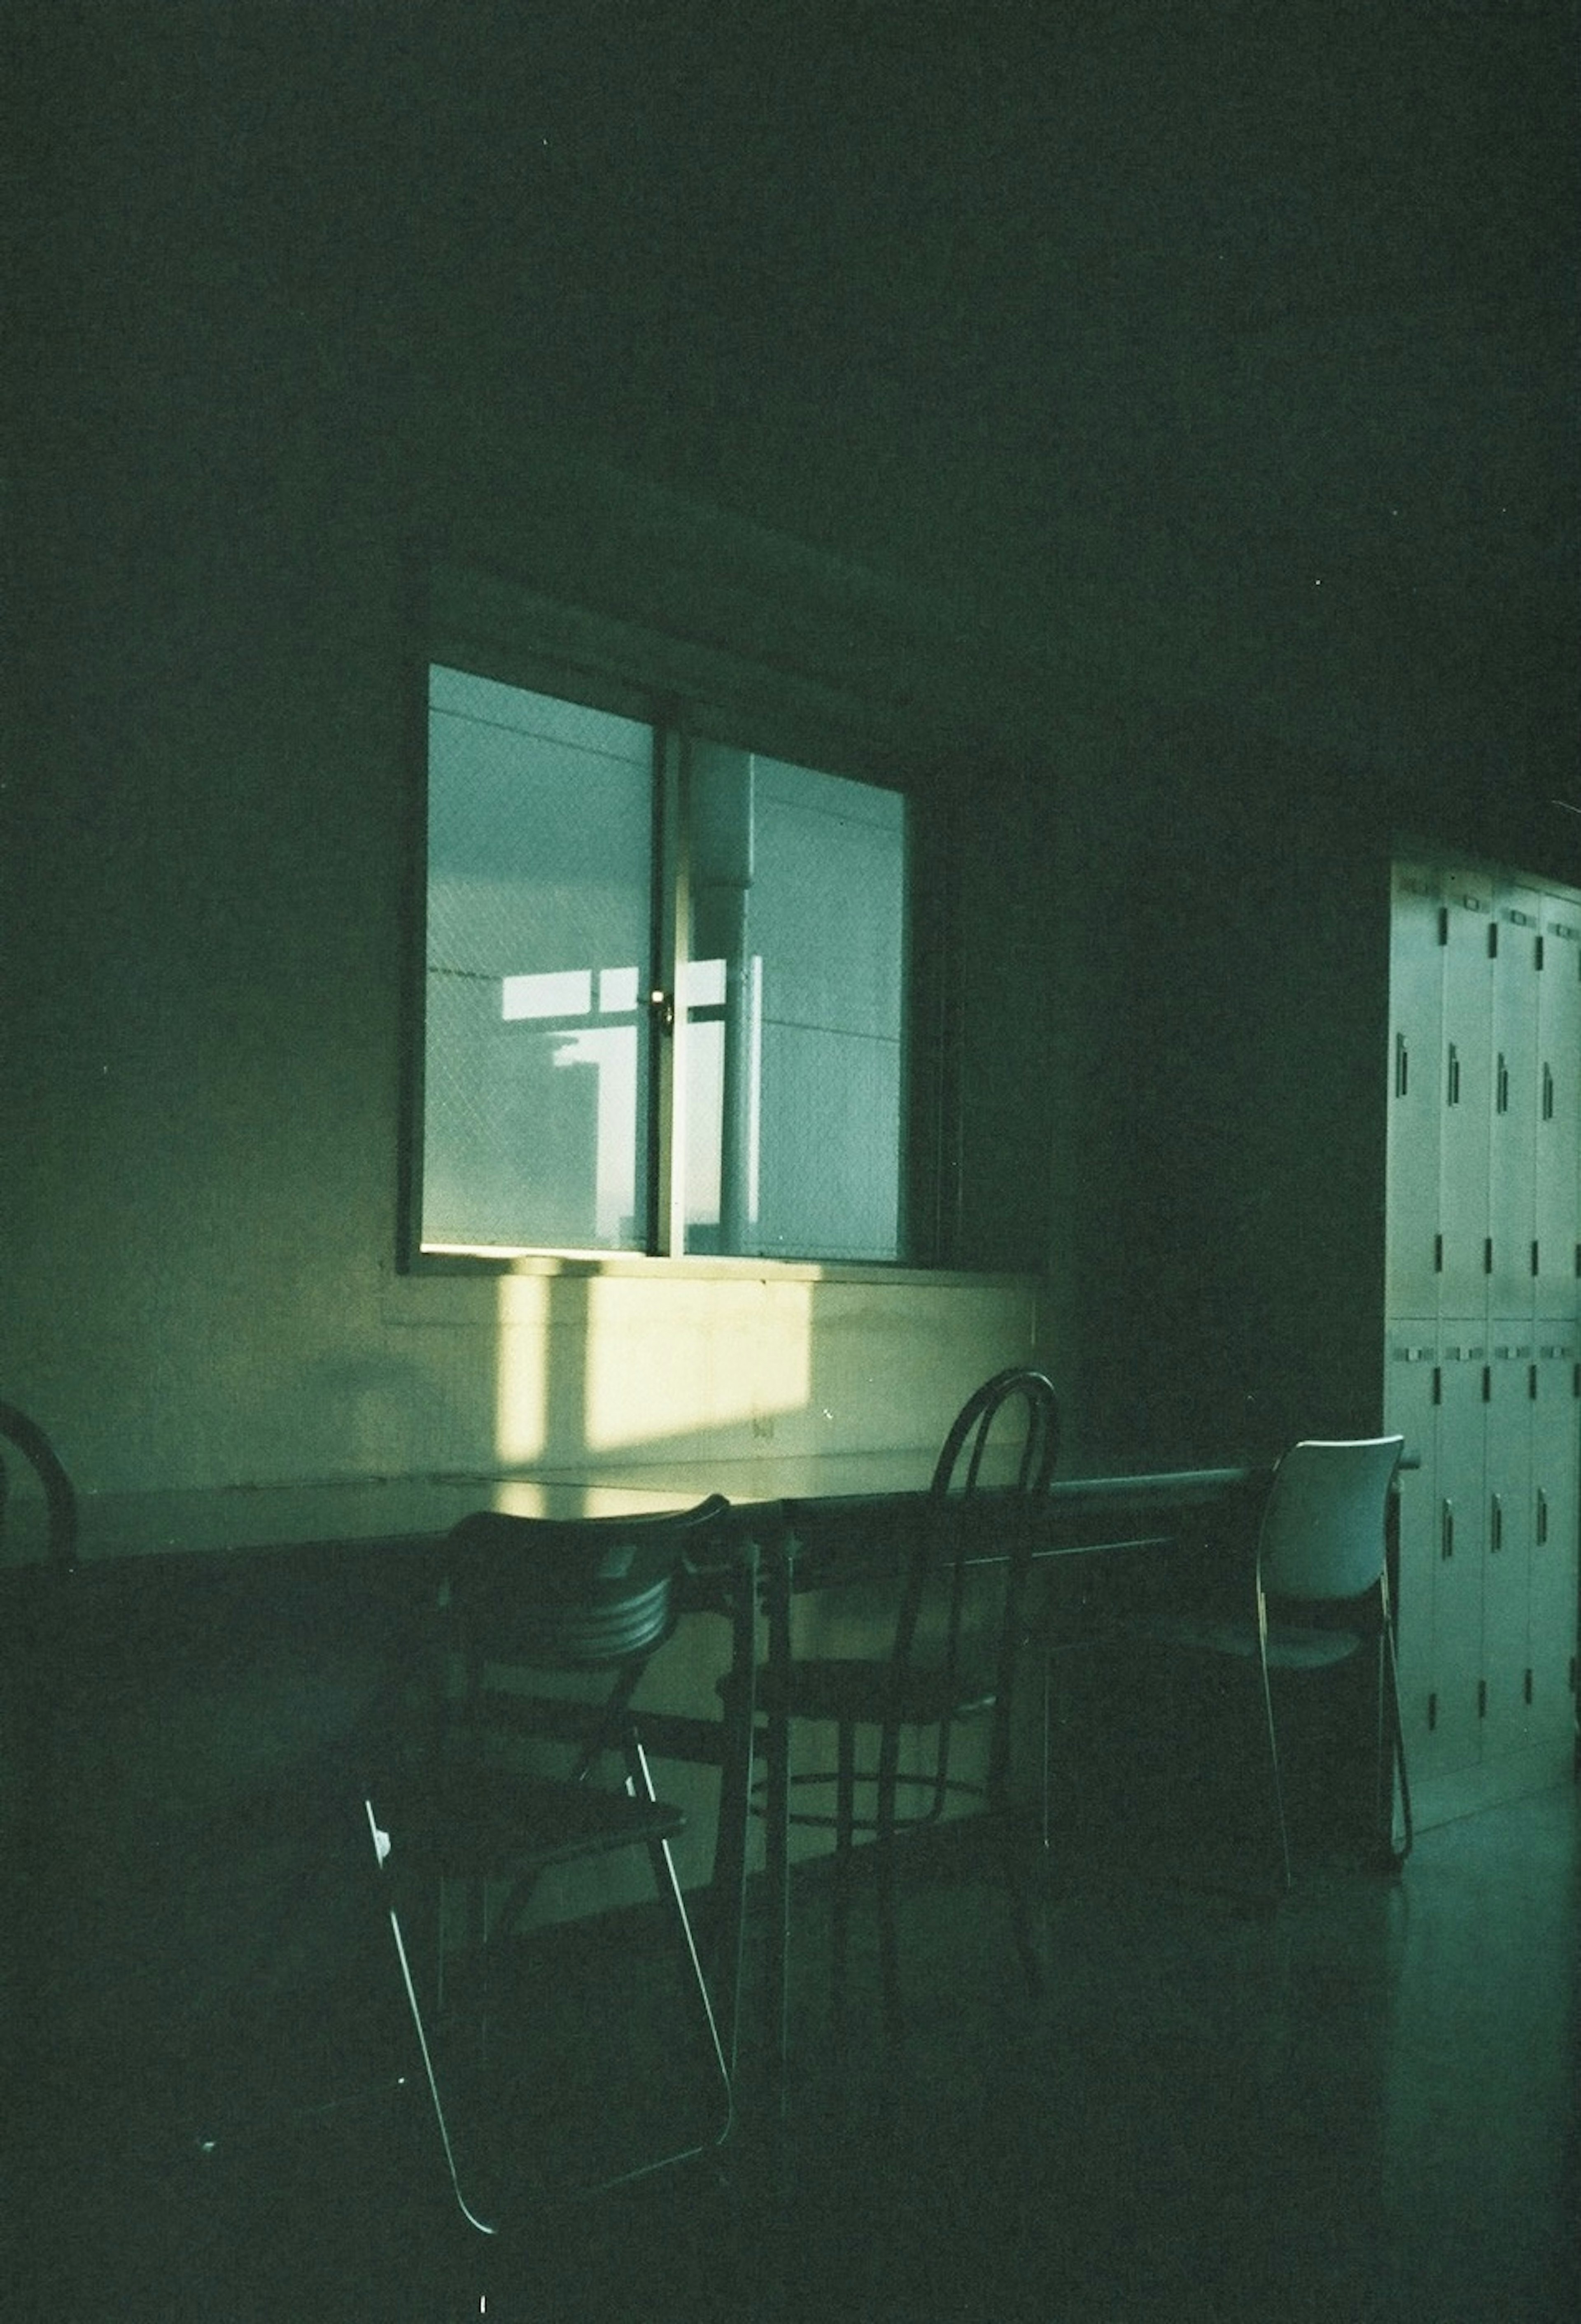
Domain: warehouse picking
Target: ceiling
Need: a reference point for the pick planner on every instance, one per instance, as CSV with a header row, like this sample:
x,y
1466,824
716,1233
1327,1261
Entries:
x,y
1217,348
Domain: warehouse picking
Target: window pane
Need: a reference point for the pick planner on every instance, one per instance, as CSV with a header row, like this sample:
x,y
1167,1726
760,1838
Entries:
x,y
794,1096
539,876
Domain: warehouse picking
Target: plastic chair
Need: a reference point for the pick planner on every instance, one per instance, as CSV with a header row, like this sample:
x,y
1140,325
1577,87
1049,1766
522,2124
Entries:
x,y
1322,1541
527,1594
935,1673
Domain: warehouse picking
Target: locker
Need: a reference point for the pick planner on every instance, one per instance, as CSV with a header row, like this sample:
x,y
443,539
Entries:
x,y
1556,1168
1416,1041
1484,1322
1511,1241
1465,1088
1507,1569
1556,1492
1410,1389
1459,1557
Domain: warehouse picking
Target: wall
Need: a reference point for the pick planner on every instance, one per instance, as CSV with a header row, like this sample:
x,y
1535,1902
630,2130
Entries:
x,y
207,1040
1128,444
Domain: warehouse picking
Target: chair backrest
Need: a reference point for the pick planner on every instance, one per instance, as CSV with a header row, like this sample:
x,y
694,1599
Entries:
x,y
60,1499
974,1423
1016,1412
1324,1526
576,1593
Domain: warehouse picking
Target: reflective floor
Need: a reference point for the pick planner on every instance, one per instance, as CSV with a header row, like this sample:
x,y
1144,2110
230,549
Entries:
x,y
1361,2107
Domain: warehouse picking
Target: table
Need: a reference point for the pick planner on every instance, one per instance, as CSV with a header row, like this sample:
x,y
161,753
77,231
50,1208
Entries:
x,y
362,1550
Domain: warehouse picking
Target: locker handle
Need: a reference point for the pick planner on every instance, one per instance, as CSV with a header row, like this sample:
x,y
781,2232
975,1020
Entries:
x,y
1453,1093
1548,1093
1501,1095
1447,1531
1401,1066
1541,1517
1496,1525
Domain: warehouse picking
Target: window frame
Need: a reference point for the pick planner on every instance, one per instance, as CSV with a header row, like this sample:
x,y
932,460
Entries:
x,y
609,665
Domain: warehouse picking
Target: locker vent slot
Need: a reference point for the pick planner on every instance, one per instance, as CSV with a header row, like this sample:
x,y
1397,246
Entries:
x,y
1528,1686
1432,1712
1482,1698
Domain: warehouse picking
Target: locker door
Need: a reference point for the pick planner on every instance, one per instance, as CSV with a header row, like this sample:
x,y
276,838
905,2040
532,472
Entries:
x,y
1513,1129
1511,1378
1558,1137
1556,1496
1416,1005
1466,1091
1411,1405
1459,1554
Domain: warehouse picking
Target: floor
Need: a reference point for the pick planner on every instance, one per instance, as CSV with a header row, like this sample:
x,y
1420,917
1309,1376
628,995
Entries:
x,y
1360,2105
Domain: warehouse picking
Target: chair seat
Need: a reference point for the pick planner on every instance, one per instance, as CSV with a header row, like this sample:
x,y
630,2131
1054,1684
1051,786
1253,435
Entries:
x,y
476,1824
1291,1645
843,1689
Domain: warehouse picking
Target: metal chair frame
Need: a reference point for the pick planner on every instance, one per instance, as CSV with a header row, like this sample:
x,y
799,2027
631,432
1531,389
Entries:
x,y
593,1595
897,1695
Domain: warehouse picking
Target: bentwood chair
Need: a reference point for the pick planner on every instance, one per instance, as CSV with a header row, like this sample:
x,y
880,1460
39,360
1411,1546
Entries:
x,y
942,1666
591,1599
1317,1590
24,1436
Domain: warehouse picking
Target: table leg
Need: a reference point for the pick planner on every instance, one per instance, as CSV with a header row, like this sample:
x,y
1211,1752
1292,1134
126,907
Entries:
x,y
780,1581
738,1743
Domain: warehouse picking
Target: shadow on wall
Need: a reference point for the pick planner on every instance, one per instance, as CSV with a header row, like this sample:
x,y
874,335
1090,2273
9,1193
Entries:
x,y
382,1415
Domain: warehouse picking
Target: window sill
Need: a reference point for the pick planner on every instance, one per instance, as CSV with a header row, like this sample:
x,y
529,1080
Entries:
x,y
442,1264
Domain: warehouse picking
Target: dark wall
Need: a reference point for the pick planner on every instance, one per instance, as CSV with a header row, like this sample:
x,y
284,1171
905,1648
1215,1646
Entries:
x,y
1205,370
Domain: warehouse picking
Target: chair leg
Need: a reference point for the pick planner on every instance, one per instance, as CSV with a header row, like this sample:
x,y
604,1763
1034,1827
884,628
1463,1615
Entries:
x,y
1278,1778
1048,1705
694,1983
1396,1757
381,1847
883,1867
845,1817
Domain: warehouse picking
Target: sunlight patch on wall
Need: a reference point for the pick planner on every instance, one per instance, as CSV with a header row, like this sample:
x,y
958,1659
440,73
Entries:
x,y
672,1363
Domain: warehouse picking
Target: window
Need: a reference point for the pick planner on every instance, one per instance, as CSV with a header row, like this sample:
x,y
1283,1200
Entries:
x,y
663,989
